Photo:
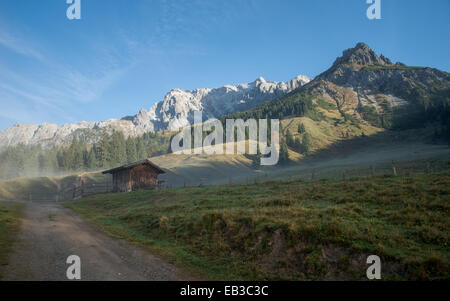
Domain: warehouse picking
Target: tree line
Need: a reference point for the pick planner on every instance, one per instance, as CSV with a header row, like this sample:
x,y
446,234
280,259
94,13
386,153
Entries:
x,y
110,150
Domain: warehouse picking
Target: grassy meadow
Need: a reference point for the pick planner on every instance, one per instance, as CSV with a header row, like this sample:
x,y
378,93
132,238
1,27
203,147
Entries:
x,y
10,214
45,188
289,230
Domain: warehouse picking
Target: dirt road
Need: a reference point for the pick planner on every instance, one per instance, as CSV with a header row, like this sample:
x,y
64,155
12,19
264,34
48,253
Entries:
x,y
50,233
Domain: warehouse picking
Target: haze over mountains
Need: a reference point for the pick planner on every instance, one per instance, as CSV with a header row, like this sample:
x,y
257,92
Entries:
x,y
175,111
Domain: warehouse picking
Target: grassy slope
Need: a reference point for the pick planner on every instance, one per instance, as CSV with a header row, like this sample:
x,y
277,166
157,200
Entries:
x,y
10,214
289,230
325,134
42,188
331,155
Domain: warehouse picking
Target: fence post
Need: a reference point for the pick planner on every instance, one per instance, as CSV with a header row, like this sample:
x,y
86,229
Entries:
x,y
428,167
372,171
394,169
82,187
313,174
229,180
343,175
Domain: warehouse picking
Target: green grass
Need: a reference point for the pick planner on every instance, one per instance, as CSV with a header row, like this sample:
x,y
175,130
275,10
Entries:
x,y
291,230
10,214
44,188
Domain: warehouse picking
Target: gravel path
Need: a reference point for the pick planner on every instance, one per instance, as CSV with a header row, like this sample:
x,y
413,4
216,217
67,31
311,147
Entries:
x,y
50,233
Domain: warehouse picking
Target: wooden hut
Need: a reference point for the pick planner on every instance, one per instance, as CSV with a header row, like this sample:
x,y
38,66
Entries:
x,y
135,176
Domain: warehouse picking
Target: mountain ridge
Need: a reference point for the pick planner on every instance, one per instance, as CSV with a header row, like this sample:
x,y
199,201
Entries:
x,y
362,87
174,111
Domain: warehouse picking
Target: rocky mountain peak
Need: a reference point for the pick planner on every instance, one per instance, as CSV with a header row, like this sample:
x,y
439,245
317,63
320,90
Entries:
x,y
361,55
175,111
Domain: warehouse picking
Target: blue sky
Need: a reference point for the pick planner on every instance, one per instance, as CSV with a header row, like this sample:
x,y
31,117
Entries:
x,y
125,55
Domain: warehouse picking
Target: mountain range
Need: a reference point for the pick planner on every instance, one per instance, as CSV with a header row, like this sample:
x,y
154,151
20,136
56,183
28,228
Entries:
x,y
371,87
365,88
361,87
175,111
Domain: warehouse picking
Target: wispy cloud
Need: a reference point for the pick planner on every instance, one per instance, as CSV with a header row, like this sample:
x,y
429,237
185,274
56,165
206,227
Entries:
x,y
59,90
52,85
18,45
51,88
19,105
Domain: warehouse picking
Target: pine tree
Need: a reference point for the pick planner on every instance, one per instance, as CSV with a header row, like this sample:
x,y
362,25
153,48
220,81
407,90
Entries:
x,y
50,159
43,164
67,158
23,160
103,151
131,150
301,128
118,149
298,145
141,149
289,139
306,144
256,159
91,163
284,153
76,155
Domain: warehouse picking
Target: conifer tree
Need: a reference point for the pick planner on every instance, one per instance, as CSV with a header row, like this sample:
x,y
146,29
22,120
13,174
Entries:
x,y
131,150
118,149
289,139
306,144
141,150
298,145
103,151
284,153
301,128
91,163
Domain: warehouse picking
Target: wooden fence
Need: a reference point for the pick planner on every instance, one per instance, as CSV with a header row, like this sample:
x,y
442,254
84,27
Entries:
x,y
84,187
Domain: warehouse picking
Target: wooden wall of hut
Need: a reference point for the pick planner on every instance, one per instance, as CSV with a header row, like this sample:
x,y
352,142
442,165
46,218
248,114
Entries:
x,y
136,178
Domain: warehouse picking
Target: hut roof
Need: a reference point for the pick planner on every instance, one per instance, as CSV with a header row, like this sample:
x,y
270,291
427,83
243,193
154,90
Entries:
x,y
132,165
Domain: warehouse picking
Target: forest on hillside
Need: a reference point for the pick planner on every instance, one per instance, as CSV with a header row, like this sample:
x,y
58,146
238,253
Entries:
x,y
114,149
110,151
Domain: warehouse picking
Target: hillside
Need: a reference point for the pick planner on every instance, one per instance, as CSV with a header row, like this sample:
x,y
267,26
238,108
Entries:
x,y
289,230
364,109
363,93
53,189
330,157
